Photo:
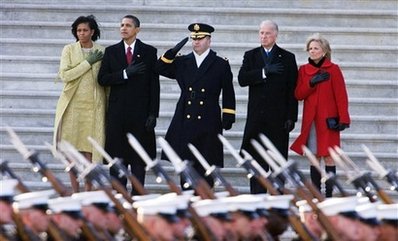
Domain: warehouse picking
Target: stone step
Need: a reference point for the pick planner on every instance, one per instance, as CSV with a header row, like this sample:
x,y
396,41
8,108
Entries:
x,y
47,82
357,106
386,157
225,33
351,70
48,99
349,141
349,4
214,15
45,118
233,51
235,176
231,166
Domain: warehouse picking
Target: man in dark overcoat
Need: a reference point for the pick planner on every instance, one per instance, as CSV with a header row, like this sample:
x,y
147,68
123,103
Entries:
x,y
133,104
198,118
270,72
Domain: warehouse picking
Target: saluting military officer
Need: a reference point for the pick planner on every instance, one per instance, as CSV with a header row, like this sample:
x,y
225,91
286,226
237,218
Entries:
x,y
198,118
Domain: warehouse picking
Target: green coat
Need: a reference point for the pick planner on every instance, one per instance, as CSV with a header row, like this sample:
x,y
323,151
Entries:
x,y
73,70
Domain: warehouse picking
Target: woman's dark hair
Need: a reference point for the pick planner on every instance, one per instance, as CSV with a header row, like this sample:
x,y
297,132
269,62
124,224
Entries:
x,y
92,23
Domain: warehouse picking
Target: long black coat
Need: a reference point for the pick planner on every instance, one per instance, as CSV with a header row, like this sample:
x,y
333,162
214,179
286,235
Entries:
x,y
197,118
131,100
271,100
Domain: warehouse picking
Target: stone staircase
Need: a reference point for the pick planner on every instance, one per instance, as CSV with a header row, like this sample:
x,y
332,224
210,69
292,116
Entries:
x,y
363,35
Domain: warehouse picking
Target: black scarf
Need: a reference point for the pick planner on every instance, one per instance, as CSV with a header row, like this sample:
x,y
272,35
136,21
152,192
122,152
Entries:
x,y
319,64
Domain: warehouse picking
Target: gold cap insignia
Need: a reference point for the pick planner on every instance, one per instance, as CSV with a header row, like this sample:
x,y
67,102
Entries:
x,y
196,27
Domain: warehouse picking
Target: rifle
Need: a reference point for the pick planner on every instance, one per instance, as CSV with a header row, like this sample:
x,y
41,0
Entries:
x,y
326,177
70,166
292,170
203,231
252,171
53,230
185,169
213,170
357,179
294,220
389,175
100,178
5,169
291,173
118,165
88,229
3,237
366,177
38,165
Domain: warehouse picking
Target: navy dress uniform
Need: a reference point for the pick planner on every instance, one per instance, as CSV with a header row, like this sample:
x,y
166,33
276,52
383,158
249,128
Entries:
x,y
198,118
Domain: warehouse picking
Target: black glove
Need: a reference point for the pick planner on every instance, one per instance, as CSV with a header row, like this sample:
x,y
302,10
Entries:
x,y
289,126
319,77
135,69
227,124
171,53
342,126
94,56
150,123
273,69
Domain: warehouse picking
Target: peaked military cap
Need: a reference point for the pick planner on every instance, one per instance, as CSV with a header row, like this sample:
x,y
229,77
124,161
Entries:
x,y
37,200
7,189
200,30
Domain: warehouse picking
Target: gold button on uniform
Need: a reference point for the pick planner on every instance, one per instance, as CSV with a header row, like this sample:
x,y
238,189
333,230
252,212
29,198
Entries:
x,y
188,116
190,88
200,102
203,90
199,117
189,102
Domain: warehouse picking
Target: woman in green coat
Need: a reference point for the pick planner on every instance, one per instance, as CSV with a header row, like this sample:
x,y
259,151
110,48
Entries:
x,y
80,110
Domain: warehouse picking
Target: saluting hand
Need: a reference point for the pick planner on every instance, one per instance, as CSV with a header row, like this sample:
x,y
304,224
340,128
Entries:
x,y
171,53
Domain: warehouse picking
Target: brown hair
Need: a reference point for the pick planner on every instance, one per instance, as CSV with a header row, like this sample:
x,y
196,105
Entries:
x,y
322,41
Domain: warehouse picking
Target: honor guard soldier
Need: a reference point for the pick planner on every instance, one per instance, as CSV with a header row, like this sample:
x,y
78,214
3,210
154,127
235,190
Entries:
x,y
368,222
95,208
388,216
215,214
31,207
342,215
7,192
66,213
159,217
202,76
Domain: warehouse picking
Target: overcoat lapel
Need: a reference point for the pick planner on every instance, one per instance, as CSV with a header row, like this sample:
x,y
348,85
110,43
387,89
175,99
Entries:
x,y
207,62
121,54
137,51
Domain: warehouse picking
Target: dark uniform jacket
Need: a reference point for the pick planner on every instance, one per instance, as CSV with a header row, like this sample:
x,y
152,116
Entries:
x,y
198,117
131,100
271,100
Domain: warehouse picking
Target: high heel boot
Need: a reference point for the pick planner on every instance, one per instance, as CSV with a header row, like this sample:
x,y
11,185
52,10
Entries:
x,y
315,177
329,186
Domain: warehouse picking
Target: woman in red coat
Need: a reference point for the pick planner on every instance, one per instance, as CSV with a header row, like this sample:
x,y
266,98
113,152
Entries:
x,y
321,86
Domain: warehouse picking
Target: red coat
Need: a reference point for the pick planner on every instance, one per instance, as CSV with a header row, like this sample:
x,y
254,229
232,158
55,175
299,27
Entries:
x,y
327,99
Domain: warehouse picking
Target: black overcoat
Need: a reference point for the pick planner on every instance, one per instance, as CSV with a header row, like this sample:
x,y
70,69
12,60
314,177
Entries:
x,y
131,100
271,100
197,118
